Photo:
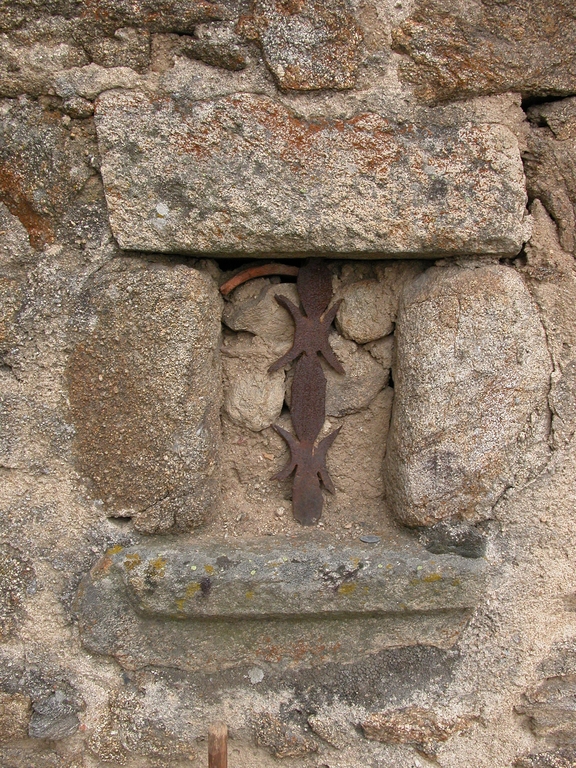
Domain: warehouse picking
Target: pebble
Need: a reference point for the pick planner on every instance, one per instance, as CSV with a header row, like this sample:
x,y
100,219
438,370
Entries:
x,y
370,539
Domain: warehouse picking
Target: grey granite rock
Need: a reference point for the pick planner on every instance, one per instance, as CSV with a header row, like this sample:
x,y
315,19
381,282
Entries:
x,y
459,50
472,376
243,174
301,602
307,44
145,392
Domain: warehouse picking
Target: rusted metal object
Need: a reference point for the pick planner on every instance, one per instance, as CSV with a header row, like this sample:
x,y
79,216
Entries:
x,y
308,404
259,270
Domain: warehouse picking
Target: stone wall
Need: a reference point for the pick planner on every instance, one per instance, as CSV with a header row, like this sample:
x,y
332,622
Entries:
x,y
152,578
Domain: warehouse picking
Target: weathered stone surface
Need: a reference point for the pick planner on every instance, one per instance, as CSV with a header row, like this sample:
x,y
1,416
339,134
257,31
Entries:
x,y
136,727
369,307
88,82
550,273
468,49
31,68
54,717
162,16
280,739
368,594
551,165
243,174
14,716
252,397
472,375
145,393
16,577
556,758
423,728
42,168
307,44
253,308
549,705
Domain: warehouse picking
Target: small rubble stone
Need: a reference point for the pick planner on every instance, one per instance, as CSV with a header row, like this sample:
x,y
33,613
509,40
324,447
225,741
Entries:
x,y
280,738
472,378
253,308
14,716
252,397
364,377
88,82
343,186
458,538
551,277
16,577
54,717
307,44
467,49
423,728
330,730
549,706
551,165
144,385
369,307
127,47
382,350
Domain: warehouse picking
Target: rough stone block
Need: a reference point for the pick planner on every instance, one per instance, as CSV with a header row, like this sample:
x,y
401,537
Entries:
x,y
459,50
242,174
145,392
214,606
472,376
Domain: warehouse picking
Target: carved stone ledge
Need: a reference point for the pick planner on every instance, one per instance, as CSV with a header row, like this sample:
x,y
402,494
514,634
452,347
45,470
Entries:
x,y
219,605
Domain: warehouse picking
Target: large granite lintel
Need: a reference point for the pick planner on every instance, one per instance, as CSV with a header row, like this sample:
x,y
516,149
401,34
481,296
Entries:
x,y
244,175
220,605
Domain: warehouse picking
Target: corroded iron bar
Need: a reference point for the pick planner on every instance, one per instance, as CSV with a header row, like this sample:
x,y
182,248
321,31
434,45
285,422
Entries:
x,y
308,404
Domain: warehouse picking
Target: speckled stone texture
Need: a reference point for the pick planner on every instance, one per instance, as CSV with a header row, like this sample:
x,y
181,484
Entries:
x,y
472,375
243,174
459,50
145,393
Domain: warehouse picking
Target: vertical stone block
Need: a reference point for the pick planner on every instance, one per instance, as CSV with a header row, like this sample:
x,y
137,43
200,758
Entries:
x,y
472,375
145,393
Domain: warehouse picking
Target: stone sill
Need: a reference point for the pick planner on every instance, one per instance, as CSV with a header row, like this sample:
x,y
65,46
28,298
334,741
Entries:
x,y
219,605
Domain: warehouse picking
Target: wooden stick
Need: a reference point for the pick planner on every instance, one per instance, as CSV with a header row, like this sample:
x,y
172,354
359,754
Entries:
x,y
257,271
218,745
